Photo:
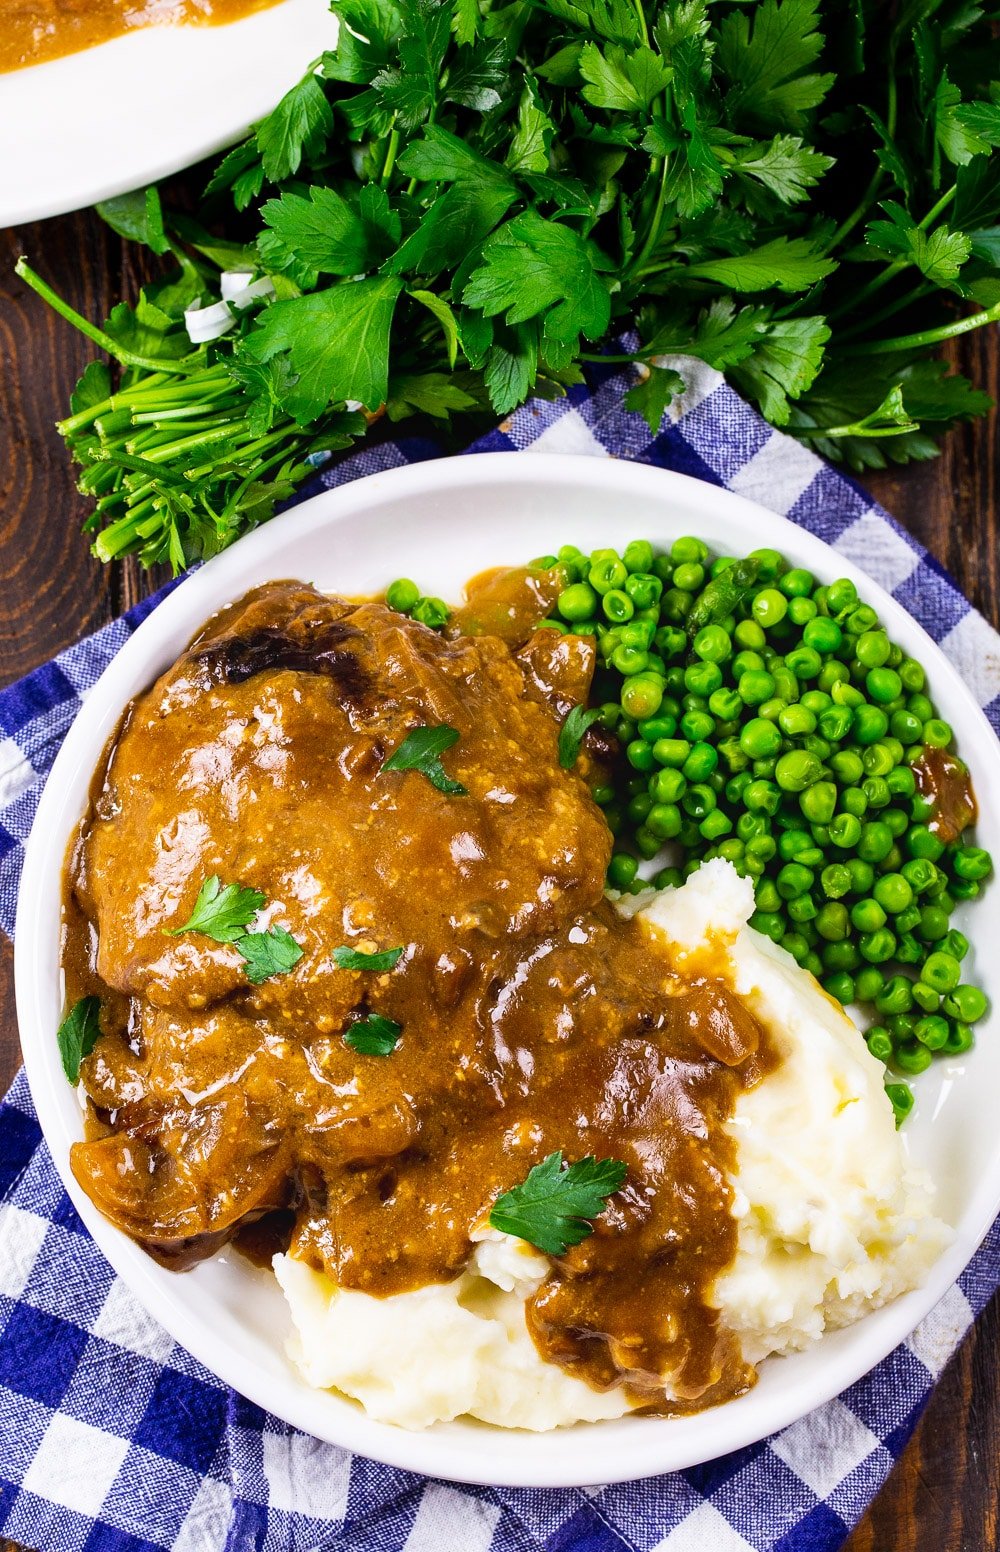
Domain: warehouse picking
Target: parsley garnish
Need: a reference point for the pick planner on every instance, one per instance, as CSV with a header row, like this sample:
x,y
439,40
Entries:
x,y
421,751
273,952
373,1035
571,734
458,202
347,958
77,1035
222,911
552,1209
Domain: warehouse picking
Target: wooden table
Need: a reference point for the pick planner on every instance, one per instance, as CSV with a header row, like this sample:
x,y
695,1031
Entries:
x,y
944,1495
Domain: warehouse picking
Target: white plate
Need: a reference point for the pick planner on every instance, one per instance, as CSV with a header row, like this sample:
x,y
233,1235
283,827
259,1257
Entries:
x,y
112,118
440,523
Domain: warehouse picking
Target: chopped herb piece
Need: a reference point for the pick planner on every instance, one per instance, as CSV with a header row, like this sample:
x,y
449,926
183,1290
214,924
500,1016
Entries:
x,y
571,734
346,958
273,952
222,911
553,1208
77,1035
373,1035
421,751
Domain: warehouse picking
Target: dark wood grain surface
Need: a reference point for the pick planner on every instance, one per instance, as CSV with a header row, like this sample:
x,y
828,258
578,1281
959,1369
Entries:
x,y
944,1495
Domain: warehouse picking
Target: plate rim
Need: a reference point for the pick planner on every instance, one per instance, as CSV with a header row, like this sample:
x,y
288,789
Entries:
x,y
200,595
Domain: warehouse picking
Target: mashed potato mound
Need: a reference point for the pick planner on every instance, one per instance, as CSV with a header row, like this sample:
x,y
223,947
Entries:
x,y
833,1221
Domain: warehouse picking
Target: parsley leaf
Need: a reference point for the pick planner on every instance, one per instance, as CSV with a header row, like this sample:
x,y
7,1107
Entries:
x,y
298,127
137,216
332,236
373,1035
78,1034
577,721
222,911
552,1209
347,958
273,952
421,751
532,266
765,53
337,343
650,396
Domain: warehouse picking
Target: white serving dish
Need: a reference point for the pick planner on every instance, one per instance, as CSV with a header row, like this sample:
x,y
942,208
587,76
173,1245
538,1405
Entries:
x,y
441,522
78,129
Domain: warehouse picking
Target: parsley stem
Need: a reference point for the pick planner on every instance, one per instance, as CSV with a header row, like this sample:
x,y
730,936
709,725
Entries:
x,y
390,157
911,297
898,265
924,337
653,231
124,357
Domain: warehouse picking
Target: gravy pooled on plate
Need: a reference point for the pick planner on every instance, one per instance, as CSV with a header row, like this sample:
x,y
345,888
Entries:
x,y
32,31
533,1017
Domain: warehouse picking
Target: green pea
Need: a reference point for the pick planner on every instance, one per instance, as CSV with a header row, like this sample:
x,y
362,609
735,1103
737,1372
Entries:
x,y
701,762
932,1031
802,909
878,946
638,555
794,879
823,635
841,956
972,862
689,576
622,870
432,612
967,1003
668,878
769,607
835,880
713,644
804,662
795,721
841,596
645,842
629,660
912,675
960,1039
869,724
937,734
896,821
762,848
832,922
664,821
926,998
797,583
760,739
876,841
715,825
922,842
818,802
639,755
933,925
687,548
847,766
908,950
401,595
755,686
770,923
845,831
956,944
641,697
762,797
893,893
941,971
607,574
644,590
883,684
617,606
797,770
637,809
879,1042
869,983
835,723
671,751
841,986
896,995
796,944
577,602
867,915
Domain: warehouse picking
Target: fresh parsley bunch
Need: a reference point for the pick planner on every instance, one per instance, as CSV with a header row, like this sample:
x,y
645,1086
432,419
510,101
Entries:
x,y
464,200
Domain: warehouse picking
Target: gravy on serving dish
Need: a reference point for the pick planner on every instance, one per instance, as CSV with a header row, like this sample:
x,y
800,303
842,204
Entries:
x,y
46,29
534,1017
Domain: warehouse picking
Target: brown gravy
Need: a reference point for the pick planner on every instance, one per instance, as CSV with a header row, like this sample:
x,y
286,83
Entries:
x,y
534,1017
944,780
32,31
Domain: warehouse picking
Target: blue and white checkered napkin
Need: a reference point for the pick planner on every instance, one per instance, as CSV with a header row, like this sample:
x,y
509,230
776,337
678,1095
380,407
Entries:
x,y
113,1439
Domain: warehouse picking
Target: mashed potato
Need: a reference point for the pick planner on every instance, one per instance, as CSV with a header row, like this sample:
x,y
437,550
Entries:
x,y
832,1221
